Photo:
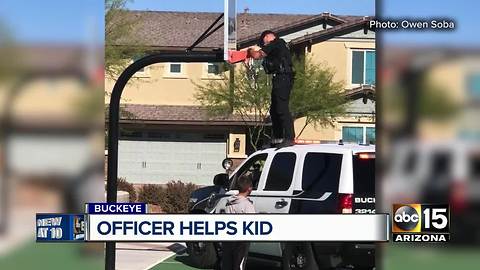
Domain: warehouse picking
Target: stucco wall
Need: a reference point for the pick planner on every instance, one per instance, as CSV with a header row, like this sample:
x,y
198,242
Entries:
x,y
337,54
157,86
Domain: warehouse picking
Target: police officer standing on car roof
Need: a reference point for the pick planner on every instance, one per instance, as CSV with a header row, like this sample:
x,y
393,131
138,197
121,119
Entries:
x,y
278,62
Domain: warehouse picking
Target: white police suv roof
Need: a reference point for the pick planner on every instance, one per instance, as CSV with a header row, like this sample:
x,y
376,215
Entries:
x,y
328,148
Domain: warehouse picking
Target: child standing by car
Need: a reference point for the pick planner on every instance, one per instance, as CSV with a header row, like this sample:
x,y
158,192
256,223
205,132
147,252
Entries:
x,y
234,254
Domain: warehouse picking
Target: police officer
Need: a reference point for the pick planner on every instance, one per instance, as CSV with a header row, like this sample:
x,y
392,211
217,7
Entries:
x,y
278,62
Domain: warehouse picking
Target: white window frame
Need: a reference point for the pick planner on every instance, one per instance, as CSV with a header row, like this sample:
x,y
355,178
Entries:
x,y
211,76
364,65
181,75
469,90
142,74
364,130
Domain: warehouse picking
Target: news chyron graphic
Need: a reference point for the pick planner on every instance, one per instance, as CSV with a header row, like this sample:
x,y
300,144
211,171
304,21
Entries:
x,y
60,227
421,223
124,222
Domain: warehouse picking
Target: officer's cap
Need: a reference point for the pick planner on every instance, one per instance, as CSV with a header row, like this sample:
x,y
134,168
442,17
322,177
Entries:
x,y
264,33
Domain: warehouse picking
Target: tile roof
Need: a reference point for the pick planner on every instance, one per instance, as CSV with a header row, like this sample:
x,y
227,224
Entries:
x,y
50,58
178,113
188,113
361,91
347,26
181,29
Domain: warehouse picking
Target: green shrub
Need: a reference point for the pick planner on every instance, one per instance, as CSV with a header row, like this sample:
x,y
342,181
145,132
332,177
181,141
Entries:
x,y
150,194
174,197
123,185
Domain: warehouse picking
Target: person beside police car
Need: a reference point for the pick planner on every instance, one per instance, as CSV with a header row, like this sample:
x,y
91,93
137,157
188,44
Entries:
x,y
278,62
234,254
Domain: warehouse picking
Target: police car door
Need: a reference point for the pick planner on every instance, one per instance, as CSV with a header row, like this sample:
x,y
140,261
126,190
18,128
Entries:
x,y
274,195
274,192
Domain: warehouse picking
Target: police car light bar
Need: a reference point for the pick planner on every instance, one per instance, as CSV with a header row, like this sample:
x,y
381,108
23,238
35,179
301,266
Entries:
x,y
366,155
301,141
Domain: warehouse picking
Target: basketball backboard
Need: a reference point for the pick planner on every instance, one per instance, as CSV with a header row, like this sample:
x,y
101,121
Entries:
x,y
229,28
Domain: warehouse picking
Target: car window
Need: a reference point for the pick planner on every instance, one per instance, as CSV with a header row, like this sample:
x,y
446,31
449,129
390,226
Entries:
x,y
281,172
474,167
254,167
440,165
321,172
364,175
411,162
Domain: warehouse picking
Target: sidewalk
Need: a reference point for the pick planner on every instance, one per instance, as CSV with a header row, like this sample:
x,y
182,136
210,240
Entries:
x,y
21,229
21,216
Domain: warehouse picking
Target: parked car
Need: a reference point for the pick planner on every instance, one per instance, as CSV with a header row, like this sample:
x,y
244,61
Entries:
x,y
438,172
301,179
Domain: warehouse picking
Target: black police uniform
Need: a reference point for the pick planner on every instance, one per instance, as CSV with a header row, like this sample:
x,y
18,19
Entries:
x,y
278,62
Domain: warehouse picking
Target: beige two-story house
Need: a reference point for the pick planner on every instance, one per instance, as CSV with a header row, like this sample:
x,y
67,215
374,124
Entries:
x,y
167,135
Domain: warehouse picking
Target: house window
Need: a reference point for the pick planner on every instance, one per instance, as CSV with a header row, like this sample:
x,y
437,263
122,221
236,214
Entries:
x,y
129,134
213,69
352,134
370,135
358,134
176,68
473,84
363,67
158,135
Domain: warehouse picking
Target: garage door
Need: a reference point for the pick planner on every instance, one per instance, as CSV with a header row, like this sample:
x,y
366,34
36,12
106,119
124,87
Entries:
x,y
157,162
45,154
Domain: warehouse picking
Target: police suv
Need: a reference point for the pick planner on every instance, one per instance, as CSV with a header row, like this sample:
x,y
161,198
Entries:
x,y
301,179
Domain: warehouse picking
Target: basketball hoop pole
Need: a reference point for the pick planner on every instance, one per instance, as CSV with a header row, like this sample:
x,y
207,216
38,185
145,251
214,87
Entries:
x,y
113,120
189,56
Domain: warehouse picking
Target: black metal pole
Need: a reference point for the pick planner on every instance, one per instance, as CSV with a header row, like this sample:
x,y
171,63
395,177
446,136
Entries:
x,y
113,121
206,33
204,37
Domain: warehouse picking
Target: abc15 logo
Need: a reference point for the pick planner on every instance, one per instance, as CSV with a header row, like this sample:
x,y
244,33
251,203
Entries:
x,y
419,218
